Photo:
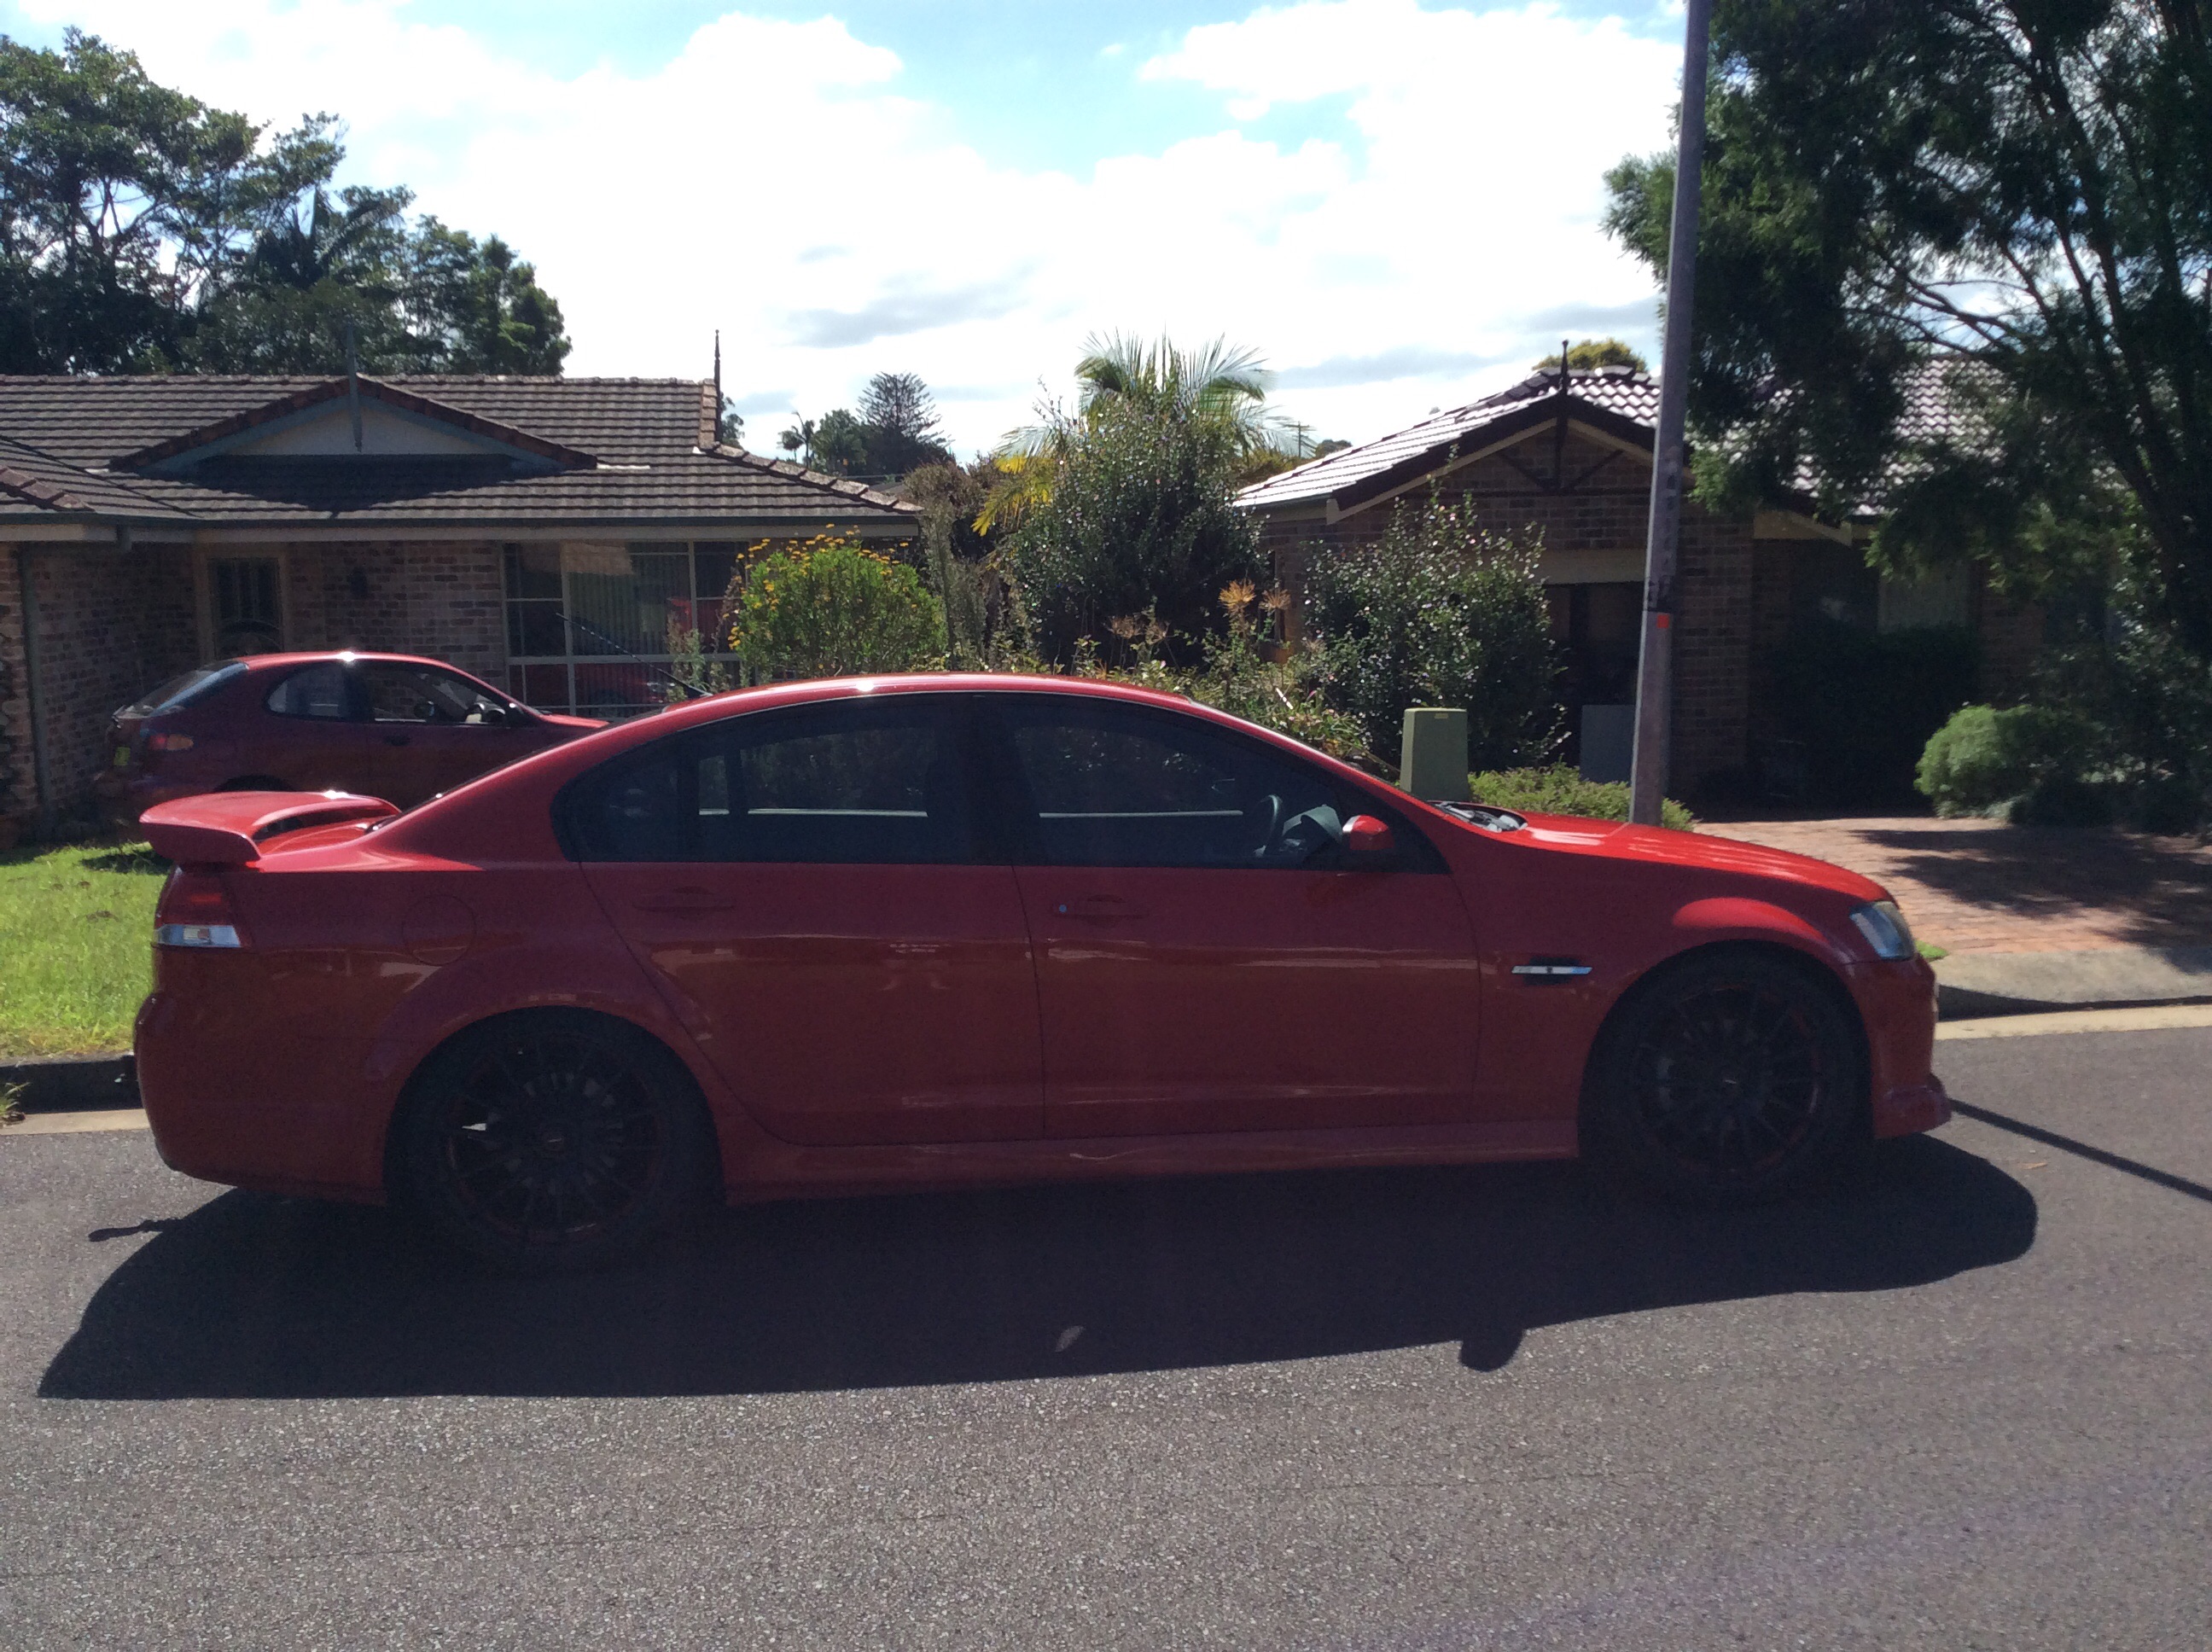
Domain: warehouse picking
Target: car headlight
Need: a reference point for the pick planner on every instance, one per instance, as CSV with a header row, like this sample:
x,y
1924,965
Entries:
x,y
1885,929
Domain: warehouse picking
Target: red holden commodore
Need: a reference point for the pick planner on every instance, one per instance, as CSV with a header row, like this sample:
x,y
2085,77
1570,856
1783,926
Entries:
x,y
946,931
391,725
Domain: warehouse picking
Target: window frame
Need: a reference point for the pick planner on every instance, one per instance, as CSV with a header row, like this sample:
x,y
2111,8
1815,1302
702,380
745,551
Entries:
x,y
522,666
953,710
1011,813
356,704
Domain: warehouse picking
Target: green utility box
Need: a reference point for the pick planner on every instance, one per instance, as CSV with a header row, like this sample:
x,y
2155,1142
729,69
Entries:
x,y
1432,754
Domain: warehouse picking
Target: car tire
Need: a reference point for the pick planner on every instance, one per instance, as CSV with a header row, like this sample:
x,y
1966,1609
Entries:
x,y
1733,1077
552,1140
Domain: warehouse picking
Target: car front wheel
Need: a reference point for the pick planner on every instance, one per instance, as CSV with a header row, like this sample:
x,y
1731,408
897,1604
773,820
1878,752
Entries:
x,y
549,1140
1732,1077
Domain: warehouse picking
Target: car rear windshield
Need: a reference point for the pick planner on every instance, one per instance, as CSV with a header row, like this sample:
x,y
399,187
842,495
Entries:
x,y
183,690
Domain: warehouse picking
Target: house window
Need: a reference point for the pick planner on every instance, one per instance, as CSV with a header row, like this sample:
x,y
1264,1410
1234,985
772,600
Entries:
x,y
246,614
600,628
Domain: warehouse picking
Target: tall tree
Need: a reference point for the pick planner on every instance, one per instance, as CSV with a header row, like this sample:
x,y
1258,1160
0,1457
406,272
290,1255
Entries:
x,y
2012,196
1217,388
142,230
118,200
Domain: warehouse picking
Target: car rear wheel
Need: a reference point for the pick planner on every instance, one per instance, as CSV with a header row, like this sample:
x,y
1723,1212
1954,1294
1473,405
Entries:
x,y
550,1140
1733,1076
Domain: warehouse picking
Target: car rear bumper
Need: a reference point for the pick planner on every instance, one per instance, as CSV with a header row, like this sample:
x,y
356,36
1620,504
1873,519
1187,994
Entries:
x,y
123,796
232,1099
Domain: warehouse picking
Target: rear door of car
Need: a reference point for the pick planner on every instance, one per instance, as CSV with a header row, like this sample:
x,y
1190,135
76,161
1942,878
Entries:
x,y
805,888
1205,961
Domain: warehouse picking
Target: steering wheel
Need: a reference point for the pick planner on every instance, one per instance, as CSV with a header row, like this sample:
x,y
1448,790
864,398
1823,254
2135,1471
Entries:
x,y
1267,848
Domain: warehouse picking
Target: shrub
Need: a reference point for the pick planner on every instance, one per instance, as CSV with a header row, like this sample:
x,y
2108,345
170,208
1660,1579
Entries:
x,y
2030,763
2149,701
1560,789
1865,702
1438,613
833,608
1239,674
1140,519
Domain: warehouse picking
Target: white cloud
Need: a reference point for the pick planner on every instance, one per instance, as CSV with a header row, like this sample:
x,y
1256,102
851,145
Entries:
x,y
1434,247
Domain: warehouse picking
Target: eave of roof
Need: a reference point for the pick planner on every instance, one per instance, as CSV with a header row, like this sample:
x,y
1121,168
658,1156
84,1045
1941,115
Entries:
x,y
1354,476
299,401
58,438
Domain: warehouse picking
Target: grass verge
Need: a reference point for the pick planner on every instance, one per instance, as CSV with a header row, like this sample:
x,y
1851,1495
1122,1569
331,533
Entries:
x,y
76,932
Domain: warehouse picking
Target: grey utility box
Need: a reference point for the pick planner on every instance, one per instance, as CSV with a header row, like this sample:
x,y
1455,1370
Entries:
x,y
1432,754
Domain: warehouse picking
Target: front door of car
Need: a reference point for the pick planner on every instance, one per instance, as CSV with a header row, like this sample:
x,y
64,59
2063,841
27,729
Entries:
x,y
1205,959
435,728
803,888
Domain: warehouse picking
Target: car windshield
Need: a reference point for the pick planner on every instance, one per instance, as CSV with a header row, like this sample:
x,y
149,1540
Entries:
x,y
183,690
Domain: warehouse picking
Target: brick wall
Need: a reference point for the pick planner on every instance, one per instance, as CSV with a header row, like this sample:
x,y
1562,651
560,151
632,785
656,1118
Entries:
x,y
446,600
2012,635
16,777
1581,495
111,624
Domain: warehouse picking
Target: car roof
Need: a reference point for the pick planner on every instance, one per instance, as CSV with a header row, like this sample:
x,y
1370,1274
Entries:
x,y
283,662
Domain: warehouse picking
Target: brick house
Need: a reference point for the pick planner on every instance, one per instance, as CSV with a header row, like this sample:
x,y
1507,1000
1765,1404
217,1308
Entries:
x,y
544,534
1568,458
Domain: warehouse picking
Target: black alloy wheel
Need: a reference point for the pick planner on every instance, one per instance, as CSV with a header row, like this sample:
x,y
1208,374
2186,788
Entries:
x,y
1734,1076
552,1139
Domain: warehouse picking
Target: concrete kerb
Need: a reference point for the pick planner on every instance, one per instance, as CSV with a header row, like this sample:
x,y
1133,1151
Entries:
x,y
81,1084
1977,984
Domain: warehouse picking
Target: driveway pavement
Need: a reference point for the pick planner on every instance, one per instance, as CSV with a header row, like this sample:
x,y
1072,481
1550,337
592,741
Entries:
x,y
1982,886
1968,1405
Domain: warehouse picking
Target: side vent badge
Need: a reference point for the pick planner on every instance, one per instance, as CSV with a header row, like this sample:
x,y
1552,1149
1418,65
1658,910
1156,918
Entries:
x,y
1551,972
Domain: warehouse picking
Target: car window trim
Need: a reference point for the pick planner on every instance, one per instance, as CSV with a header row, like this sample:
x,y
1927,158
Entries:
x,y
1012,796
957,715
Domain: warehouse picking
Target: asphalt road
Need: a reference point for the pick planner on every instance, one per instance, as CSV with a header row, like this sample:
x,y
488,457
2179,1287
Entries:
x,y
1968,1407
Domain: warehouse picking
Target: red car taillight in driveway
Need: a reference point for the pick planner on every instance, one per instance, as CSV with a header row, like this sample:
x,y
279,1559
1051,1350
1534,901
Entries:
x,y
195,910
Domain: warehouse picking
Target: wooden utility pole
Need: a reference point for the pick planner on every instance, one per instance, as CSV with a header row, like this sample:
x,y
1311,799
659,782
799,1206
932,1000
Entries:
x,y
1655,672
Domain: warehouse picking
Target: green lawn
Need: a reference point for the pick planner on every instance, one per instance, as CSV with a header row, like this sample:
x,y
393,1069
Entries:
x,y
76,933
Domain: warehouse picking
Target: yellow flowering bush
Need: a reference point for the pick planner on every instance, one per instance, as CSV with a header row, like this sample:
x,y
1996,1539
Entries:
x,y
832,607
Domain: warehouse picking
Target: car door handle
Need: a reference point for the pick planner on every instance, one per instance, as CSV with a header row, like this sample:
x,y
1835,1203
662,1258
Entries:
x,y
1100,907
684,900
395,739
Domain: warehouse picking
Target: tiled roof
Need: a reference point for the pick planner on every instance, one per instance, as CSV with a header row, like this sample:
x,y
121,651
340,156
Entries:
x,y
650,442
1610,397
1939,405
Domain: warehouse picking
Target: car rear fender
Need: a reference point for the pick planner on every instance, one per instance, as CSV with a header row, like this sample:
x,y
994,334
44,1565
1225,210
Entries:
x,y
585,973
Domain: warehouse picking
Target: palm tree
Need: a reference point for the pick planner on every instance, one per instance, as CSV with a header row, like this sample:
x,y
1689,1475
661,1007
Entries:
x,y
1215,384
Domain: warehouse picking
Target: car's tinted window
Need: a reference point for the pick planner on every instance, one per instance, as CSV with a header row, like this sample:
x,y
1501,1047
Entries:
x,y
317,691
849,782
422,693
181,691
1120,786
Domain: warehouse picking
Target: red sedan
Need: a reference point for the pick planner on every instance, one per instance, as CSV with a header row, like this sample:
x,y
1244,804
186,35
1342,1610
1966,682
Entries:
x,y
941,931
390,724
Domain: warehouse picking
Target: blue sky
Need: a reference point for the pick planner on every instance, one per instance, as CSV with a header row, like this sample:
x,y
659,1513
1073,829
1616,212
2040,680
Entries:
x,y
1395,201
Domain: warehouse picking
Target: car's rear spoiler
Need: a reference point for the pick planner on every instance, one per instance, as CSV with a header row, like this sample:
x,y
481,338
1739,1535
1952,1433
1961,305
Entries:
x,y
228,828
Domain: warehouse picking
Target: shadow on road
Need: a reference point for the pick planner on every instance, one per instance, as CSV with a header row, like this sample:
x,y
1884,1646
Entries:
x,y
254,1296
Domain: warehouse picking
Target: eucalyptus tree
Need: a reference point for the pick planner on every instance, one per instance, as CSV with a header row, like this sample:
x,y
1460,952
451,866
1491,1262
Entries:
x,y
2004,205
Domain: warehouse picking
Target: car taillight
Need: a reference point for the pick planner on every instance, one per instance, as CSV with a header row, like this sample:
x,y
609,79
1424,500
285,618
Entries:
x,y
169,743
195,911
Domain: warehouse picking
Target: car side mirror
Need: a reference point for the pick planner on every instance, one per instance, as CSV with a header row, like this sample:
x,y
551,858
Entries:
x,y
1367,840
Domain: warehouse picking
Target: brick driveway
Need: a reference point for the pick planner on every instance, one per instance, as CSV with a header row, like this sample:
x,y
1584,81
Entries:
x,y
1982,886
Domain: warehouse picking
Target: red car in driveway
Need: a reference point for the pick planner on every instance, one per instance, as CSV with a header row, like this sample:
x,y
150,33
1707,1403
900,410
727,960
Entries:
x,y
391,725
937,931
